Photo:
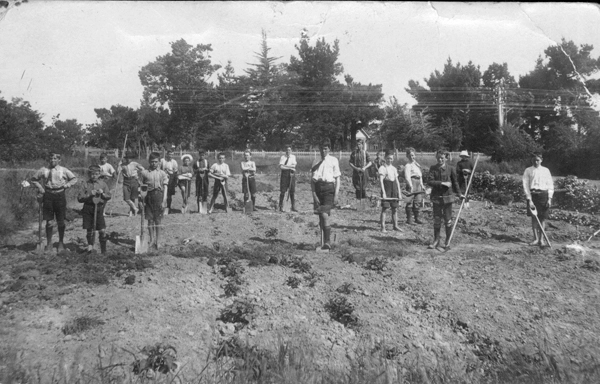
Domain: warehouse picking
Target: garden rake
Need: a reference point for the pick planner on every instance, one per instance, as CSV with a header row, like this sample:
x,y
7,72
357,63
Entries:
x,y
462,204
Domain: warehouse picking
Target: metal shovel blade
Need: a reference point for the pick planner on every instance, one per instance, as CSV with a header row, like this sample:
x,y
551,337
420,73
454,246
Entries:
x,y
203,208
248,207
141,245
361,205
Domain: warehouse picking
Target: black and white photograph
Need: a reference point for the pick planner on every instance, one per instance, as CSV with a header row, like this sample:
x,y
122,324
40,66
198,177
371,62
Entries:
x,y
301,192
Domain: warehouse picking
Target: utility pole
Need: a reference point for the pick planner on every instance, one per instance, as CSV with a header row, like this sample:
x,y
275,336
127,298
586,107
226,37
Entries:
x,y
500,90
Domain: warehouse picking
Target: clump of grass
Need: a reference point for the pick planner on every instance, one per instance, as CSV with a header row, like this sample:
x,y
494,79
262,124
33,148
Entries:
x,y
297,263
81,324
271,232
233,269
233,286
342,311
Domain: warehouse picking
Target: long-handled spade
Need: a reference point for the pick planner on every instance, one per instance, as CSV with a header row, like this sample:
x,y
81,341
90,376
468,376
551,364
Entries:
x,y
462,204
141,242
248,206
40,244
361,204
286,201
202,205
534,213
96,200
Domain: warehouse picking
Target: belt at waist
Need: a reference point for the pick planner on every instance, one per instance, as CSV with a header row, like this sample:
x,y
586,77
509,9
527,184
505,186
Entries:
x,y
154,191
415,177
538,191
54,190
324,182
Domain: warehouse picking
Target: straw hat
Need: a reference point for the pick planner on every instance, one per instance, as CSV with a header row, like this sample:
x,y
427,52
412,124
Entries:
x,y
464,153
188,156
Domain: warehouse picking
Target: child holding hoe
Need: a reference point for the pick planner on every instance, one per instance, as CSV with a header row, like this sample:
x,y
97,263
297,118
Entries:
x,y
443,185
155,202
52,182
185,179
95,187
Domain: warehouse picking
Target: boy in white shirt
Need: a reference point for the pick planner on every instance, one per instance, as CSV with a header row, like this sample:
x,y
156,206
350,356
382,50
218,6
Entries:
x,y
287,164
169,165
248,179
325,186
539,189
414,183
220,172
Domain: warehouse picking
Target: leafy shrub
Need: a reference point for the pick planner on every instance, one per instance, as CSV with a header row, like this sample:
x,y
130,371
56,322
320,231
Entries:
x,y
377,264
233,269
311,278
240,311
159,357
293,281
233,286
578,197
341,310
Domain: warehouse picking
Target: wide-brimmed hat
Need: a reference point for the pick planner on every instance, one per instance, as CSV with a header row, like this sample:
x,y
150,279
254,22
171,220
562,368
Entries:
x,y
188,156
464,153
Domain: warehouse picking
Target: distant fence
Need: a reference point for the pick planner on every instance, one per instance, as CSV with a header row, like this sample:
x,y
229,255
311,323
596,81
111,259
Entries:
x,y
96,152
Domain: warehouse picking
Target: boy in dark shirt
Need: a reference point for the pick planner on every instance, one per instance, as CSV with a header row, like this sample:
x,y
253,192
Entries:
x,y
443,186
94,188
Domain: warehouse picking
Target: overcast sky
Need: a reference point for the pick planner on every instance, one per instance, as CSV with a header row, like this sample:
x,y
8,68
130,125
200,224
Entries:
x,y
72,57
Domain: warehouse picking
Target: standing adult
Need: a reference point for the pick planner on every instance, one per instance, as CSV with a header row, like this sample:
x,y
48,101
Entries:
x,y
464,169
414,184
360,161
51,182
325,186
169,165
443,186
539,189
287,164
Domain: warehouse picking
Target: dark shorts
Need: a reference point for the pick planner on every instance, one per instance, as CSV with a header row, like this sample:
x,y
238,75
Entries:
x,y
130,189
153,209
55,206
415,200
172,184
219,186
202,186
442,214
88,217
391,190
184,183
325,193
540,199
360,182
288,180
252,183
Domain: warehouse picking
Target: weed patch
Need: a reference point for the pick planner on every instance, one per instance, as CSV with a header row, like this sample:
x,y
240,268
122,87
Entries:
x,y
81,324
158,358
293,281
377,264
233,286
342,311
239,312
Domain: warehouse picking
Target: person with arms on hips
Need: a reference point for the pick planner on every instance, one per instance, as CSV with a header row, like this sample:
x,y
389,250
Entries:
x,y
325,186
157,182
360,161
414,184
202,180
248,178
539,190
390,189
287,164
130,170
184,180
52,182
94,187
464,169
169,165
443,187
220,172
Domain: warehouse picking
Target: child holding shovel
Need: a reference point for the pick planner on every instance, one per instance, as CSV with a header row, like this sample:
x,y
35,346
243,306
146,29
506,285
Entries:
x,y
220,172
157,182
169,165
184,180
390,191
539,189
201,171
94,195
414,184
248,179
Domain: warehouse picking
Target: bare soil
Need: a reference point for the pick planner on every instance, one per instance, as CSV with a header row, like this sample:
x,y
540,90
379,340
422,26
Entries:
x,y
489,298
